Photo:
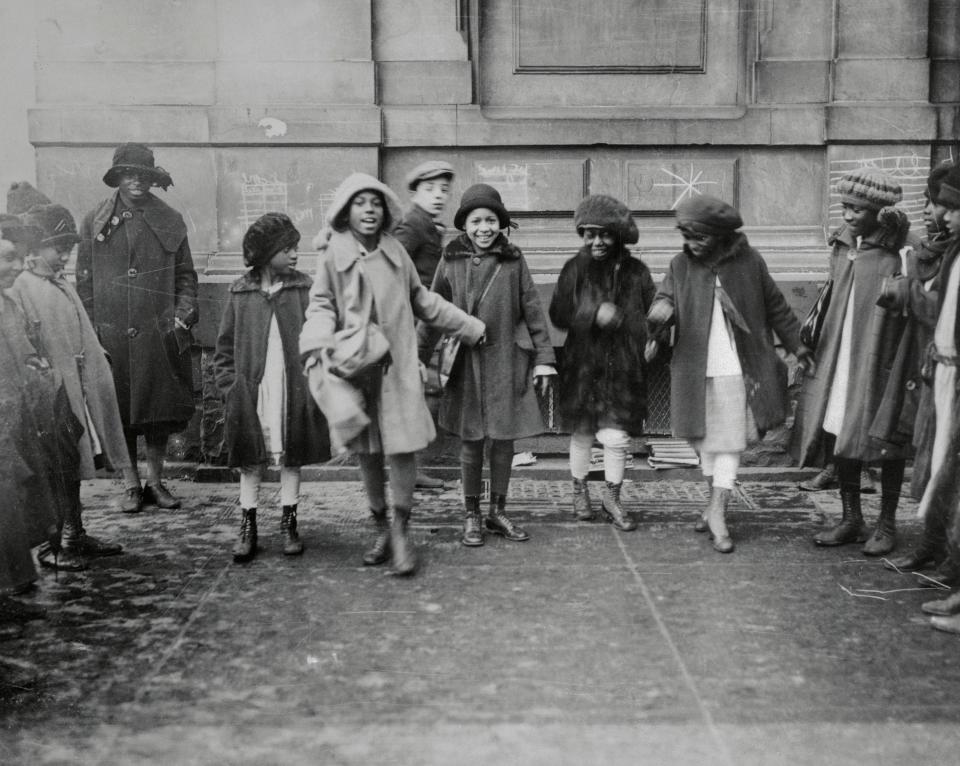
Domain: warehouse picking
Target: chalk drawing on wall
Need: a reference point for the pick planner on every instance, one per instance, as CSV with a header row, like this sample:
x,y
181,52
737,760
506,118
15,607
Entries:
x,y
661,185
259,195
530,186
909,170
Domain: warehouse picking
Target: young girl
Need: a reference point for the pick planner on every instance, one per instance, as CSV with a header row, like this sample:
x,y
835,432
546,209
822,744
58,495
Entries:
x,y
269,414
601,300
67,339
489,395
727,383
366,286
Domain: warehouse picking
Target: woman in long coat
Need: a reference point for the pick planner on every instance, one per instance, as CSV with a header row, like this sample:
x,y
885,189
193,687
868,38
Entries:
x,y
601,300
136,278
365,278
491,393
727,384
269,415
856,351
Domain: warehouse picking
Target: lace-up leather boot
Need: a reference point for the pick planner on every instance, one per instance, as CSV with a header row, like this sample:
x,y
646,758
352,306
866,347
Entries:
x,y
850,529
472,528
404,560
292,545
884,537
582,508
717,519
246,546
613,509
498,523
379,552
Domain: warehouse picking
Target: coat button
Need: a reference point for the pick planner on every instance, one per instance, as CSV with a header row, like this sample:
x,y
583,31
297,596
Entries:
x,y
132,332
127,214
911,384
132,272
476,260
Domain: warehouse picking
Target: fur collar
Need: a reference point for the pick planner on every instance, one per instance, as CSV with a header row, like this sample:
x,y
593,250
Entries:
x,y
250,282
462,247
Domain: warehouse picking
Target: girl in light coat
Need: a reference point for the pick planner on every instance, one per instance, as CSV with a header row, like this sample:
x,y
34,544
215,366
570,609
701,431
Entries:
x,y
365,278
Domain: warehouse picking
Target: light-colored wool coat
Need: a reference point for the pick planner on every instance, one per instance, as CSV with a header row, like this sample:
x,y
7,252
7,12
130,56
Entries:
x,y
490,393
136,277
403,420
874,345
70,344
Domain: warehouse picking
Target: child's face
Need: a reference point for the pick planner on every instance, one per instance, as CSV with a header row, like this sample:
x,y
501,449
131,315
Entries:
x,y
55,257
432,195
860,220
366,214
933,217
284,262
482,227
699,245
11,264
600,241
952,219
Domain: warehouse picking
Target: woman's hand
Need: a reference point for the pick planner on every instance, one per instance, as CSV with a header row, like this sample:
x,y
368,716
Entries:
x,y
608,315
806,361
660,312
543,375
651,350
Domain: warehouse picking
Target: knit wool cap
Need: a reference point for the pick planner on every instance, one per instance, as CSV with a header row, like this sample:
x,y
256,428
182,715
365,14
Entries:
x,y
51,225
704,214
427,171
868,188
136,158
267,236
607,213
481,195
949,195
22,196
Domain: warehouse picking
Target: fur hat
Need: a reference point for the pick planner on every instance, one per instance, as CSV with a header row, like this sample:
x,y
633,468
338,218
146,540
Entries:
x,y
868,188
137,158
428,170
949,195
704,214
267,236
608,213
12,228
351,186
22,196
50,226
481,195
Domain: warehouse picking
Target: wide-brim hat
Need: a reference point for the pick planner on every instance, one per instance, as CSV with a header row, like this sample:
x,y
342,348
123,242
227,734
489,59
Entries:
x,y
355,183
137,158
481,195
50,226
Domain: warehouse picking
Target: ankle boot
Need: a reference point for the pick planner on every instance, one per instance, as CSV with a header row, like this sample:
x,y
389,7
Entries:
x,y
404,561
246,546
582,508
717,520
850,529
499,524
826,479
883,539
472,528
53,556
292,546
379,552
613,509
701,524
927,555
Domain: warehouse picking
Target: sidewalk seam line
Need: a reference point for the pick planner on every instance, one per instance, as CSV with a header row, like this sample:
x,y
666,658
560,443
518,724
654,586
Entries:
x,y
674,650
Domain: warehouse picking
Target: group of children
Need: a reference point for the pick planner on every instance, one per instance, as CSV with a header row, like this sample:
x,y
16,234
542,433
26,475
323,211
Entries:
x,y
308,367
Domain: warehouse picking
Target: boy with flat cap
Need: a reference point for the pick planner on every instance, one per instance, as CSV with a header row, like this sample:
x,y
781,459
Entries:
x,y
421,234
136,278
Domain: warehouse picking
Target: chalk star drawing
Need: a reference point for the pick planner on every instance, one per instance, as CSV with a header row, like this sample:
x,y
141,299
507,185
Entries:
x,y
688,185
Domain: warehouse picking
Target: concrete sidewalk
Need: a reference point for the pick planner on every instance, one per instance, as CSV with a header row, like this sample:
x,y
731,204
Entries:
x,y
583,646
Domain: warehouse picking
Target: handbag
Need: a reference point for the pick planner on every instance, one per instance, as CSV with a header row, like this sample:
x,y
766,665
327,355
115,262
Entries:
x,y
448,347
813,325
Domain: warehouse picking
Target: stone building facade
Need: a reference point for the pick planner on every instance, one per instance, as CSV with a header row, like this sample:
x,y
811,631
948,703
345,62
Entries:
x,y
255,106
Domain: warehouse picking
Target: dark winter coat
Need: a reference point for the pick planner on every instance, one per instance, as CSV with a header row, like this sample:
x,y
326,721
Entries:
x,y
135,275
238,368
874,346
906,415
689,286
420,237
491,393
603,380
